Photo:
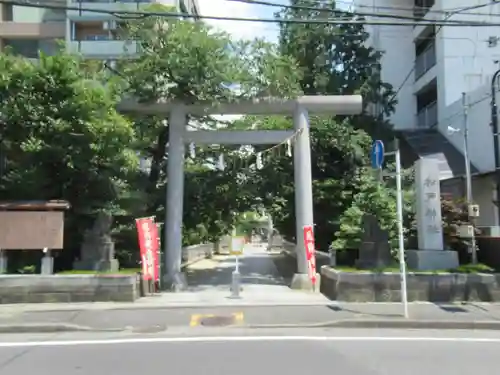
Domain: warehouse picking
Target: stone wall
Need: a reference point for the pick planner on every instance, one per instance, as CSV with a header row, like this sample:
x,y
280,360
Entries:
x,y
68,288
385,287
194,253
85,287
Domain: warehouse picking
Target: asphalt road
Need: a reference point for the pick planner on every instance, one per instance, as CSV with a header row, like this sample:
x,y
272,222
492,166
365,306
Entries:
x,y
293,352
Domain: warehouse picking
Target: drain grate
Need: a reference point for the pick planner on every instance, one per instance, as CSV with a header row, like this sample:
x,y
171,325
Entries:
x,y
218,321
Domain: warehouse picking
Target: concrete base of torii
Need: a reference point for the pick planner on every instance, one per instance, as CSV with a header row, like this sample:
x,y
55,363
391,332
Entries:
x,y
300,107
175,283
302,281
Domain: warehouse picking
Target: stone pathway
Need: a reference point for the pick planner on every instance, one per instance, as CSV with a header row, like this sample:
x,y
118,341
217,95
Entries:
x,y
210,280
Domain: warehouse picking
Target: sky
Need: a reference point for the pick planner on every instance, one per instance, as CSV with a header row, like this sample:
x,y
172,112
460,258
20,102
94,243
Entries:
x,y
246,30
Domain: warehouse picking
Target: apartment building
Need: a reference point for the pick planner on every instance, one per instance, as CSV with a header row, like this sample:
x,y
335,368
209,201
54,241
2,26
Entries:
x,y
430,67
27,30
97,35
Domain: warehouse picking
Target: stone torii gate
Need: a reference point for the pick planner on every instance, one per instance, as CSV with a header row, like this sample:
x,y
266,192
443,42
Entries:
x,y
177,112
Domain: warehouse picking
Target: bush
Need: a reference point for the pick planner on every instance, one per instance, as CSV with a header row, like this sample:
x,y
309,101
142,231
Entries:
x,y
378,199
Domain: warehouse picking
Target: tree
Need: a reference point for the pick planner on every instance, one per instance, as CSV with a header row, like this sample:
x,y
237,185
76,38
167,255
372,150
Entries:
x,y
333,60
189,61
63,139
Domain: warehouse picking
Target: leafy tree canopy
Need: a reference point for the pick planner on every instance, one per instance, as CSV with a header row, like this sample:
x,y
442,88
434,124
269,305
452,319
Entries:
x,y
190,61
63,139
333,60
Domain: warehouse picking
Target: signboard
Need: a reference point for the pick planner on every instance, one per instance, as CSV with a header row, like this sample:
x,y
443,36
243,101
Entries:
x,y
31,230
147,232
237,245
377,154
310,252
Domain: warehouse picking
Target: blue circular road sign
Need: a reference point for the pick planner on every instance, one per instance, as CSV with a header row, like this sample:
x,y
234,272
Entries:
x,y
377,154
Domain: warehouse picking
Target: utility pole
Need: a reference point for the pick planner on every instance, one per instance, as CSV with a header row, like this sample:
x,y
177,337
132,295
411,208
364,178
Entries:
x,y
494,128
468,176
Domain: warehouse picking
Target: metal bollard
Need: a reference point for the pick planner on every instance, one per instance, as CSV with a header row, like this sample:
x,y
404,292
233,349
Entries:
x,y
235,284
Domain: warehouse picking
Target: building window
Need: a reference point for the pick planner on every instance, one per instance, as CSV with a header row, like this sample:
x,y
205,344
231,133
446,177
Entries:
x,y
7,12
25,47
89,31
54,15
421,7
427,106
107,30
425,52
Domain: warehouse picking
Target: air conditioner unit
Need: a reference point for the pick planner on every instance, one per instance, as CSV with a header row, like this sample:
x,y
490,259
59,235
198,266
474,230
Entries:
x,y
109,25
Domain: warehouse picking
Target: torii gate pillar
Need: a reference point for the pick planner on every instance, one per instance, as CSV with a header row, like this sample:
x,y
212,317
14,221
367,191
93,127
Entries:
x,y
300,107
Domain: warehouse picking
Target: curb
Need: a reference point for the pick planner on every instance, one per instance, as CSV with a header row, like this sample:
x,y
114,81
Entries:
x,y
393,324
193,261
51,328
176,306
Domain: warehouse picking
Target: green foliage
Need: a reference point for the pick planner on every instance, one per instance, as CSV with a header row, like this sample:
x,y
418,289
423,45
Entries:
x,y
191,62
454,213
378,199
333,60
371,198
63,139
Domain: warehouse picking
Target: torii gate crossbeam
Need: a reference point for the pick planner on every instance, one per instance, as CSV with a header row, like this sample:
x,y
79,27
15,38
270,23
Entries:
x,y
300,107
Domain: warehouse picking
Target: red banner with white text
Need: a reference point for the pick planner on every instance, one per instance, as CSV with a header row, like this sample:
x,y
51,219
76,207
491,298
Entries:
x,y
310,252
147,232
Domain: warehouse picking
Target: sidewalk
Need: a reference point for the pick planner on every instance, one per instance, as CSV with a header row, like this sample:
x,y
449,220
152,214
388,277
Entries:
x,y
159,319
266,302
209,282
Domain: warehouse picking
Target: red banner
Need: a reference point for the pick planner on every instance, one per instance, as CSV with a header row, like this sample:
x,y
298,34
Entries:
x,y
310,252
147,232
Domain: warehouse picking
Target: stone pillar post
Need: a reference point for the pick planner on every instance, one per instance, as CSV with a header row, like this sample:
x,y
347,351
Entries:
x,y
175,280
303,194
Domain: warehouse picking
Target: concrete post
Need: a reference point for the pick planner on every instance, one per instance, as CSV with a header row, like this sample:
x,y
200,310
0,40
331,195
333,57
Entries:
x,y
47,266
174,279
303,195
3,262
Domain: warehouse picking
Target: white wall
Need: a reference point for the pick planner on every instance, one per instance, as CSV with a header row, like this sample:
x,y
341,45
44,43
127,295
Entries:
x,y
399,55
465,63
464,60
480,135
468,59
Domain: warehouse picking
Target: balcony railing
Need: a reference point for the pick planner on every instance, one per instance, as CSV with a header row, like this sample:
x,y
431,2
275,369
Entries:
x,y
425,61
427,117
104,48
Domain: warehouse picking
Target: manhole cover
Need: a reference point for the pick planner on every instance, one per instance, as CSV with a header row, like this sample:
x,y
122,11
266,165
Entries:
x,y
217,321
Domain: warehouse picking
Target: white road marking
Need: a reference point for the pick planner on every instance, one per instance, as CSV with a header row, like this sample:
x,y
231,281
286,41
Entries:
x,y
212,339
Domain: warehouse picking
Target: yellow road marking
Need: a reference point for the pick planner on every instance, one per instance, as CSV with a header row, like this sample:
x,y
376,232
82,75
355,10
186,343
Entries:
x,y
195,320
239,317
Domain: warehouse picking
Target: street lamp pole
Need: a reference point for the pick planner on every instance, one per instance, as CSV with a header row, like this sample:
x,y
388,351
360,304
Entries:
x,y
494,128
468,175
